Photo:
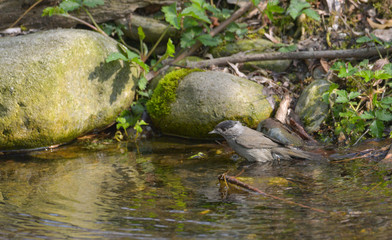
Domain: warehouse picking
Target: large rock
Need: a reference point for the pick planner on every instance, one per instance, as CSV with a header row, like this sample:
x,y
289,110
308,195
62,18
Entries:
x,y
190,104
310,106
10,11
56,86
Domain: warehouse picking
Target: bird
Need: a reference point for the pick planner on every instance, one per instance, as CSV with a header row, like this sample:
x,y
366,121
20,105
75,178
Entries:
x,y
255,146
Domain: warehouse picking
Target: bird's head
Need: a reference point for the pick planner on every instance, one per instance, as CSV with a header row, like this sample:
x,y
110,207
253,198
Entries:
x,y
228,128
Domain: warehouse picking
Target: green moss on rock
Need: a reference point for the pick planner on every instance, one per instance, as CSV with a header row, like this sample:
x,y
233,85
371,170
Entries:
x,y
165,93
203,99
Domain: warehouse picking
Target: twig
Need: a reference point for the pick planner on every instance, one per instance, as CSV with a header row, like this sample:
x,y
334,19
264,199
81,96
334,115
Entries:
x,y
299,129
24,14
233,180
239,58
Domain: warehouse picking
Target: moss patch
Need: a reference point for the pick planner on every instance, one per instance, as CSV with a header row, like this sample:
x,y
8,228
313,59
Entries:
x,y
165,93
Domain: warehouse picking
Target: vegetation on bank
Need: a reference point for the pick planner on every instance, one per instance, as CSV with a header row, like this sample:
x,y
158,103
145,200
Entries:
x,y
360,96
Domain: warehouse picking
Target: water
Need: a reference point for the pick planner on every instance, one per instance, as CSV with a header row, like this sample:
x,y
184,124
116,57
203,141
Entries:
x,y
153,191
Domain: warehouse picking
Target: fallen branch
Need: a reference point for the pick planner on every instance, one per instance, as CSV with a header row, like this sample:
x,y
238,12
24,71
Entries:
x,y
235,181
242,57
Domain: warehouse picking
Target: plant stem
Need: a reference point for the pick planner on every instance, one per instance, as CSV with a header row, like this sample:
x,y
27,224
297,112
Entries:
x,y
157,42
24,14
97,28
79,20
129,47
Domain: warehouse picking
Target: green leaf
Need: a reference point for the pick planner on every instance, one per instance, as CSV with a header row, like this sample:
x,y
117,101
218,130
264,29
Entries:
x,y
188,38
144,93
170,48
381,74
50,11
141,34
366,74
377,128
70,5
347,72
93,3
196,13
387,100
272,7
139,62
364,39
190,22
383,115
131,55
138,125
142,83
171,15
342,96
255,2
208,40
290,48
137,108
114,56
312,14
295,8
364,63
367,115
388,68
199,3
125,120
353,95
337,66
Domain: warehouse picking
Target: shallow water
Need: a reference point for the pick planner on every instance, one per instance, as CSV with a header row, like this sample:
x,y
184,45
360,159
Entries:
x,y
152,190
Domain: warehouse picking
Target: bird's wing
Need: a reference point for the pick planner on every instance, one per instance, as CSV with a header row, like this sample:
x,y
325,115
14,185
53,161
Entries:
x,y
254,139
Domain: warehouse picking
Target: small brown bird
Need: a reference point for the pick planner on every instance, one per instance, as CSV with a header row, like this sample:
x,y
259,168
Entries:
x,y
255,146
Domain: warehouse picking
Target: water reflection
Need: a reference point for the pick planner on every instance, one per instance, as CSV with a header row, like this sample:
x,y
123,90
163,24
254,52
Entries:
x,y
153,191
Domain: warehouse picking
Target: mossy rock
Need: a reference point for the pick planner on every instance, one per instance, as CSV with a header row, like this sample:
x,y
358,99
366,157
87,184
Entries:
x,y
56,86
189,103
310,106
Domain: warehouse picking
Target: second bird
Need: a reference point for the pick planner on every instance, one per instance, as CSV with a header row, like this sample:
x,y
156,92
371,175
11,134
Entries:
x,y
255,146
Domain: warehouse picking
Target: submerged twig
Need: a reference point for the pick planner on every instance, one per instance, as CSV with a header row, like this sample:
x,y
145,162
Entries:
x,y
233,180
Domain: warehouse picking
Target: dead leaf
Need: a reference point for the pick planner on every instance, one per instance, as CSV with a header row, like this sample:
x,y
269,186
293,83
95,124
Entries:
x,y
271,37
386,24
380,63
383,34
324,64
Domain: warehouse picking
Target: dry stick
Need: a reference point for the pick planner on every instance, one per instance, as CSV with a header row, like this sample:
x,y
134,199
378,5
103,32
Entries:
x,y
241,57
24,14
233,180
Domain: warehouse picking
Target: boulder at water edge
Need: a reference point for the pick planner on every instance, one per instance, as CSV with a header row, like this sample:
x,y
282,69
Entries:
x,y
189,103
311,107
56,86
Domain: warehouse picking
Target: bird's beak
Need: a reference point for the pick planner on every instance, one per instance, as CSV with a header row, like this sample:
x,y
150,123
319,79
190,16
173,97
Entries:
x,y
212,132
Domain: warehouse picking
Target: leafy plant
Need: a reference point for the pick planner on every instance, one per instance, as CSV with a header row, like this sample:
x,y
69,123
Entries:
x,y
194,21
273,8
282,15
130,118
71,5
298,7
365,108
